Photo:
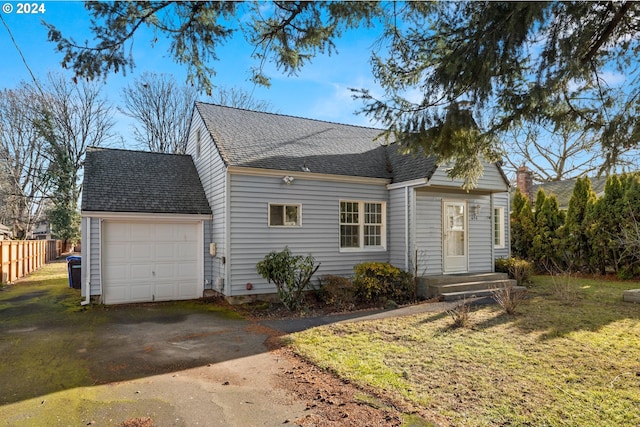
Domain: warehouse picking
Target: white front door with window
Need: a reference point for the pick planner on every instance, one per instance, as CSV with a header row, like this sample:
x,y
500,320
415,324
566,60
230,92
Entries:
x,y
455,247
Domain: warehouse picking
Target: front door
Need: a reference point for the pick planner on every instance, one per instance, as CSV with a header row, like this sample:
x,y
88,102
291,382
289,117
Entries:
x,y
455,237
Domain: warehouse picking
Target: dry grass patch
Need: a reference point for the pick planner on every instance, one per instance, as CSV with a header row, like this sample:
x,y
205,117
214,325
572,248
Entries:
x,y
552,364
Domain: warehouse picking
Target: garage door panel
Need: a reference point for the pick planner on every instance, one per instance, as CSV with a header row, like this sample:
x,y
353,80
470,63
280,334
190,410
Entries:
x,y
186,251
182,234
141,252
166,272
117,251
188,270
166,229
140,271
117,293
166,292
116,273
165,251
141,293
119,232
151,261
142,232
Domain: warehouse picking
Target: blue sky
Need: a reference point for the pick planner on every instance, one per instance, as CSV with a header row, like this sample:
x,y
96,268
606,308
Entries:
x,y
319,91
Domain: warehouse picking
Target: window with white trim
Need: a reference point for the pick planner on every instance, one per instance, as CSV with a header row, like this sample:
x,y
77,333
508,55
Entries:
x,y
498,228
285,215
362,225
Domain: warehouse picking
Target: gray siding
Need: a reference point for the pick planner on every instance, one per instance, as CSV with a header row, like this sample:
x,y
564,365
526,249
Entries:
x,y
480,236
91,243
84,240
428,234
252,238
491,180
212,172
96,253
397,227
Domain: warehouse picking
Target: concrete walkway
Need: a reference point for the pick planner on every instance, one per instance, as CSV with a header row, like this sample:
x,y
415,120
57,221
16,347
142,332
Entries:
x,y
301,324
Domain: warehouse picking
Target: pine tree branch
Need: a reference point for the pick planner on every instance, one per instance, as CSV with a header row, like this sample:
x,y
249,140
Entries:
x,y
608,31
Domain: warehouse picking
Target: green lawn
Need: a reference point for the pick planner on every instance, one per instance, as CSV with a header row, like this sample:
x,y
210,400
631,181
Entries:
x,y
570,357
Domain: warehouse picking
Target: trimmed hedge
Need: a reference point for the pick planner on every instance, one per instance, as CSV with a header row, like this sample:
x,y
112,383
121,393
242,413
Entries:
x,y
381,281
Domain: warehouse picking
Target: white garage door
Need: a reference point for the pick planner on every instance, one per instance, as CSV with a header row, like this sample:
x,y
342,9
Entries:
x,y
149,261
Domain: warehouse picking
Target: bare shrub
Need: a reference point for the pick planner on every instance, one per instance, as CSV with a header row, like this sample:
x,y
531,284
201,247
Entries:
x,y
336,291
509,298
565,288
461,314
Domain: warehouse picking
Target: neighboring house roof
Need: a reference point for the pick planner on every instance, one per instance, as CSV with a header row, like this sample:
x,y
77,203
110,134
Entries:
x,y
141,182
4,230
563,190
273,141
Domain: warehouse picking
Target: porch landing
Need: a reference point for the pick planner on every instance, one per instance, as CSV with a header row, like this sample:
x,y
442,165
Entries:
x,y
459,286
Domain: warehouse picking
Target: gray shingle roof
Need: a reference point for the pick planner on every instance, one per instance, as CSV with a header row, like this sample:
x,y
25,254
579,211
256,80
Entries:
x,y
274,141
563,190
138,181
407,166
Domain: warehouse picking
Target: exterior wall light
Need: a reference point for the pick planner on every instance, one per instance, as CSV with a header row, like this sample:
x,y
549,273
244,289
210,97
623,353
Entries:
x,y
475,211
288,179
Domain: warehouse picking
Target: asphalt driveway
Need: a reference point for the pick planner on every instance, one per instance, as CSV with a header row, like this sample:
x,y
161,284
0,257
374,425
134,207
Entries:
x,y
180,364
190,363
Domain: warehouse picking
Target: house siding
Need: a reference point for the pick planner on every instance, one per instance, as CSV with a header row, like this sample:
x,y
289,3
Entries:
x,y
491,179
212,172
480,236
427,245
397,222
318,234
91,260
96,254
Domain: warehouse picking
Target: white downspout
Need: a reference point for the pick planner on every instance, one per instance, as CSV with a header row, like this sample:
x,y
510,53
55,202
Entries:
x,y
406,228
493,232
86,248
100,223
228,286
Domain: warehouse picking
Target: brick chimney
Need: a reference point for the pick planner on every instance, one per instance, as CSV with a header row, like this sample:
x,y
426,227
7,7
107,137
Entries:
x,y
524,181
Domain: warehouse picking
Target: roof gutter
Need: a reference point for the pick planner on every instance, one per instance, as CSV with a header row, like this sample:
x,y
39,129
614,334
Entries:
x,y
168,217
239,170
412,183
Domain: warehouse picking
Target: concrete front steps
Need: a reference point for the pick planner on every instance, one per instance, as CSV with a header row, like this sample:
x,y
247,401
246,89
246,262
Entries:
x,y
453,287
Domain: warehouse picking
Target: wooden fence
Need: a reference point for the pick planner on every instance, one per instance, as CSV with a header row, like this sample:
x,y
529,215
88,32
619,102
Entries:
x,y
21,257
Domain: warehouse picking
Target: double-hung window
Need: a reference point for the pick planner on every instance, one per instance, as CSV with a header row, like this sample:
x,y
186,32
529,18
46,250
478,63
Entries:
x,y
362,225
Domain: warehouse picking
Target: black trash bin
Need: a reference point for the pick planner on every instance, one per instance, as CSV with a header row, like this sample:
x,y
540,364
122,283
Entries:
x,y
74,268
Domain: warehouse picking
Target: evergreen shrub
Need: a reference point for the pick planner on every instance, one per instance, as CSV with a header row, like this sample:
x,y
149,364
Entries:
x,y
518,269
381,281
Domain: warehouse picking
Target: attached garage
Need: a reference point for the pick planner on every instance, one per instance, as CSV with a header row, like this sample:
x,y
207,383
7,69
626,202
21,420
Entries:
x,y
144,217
